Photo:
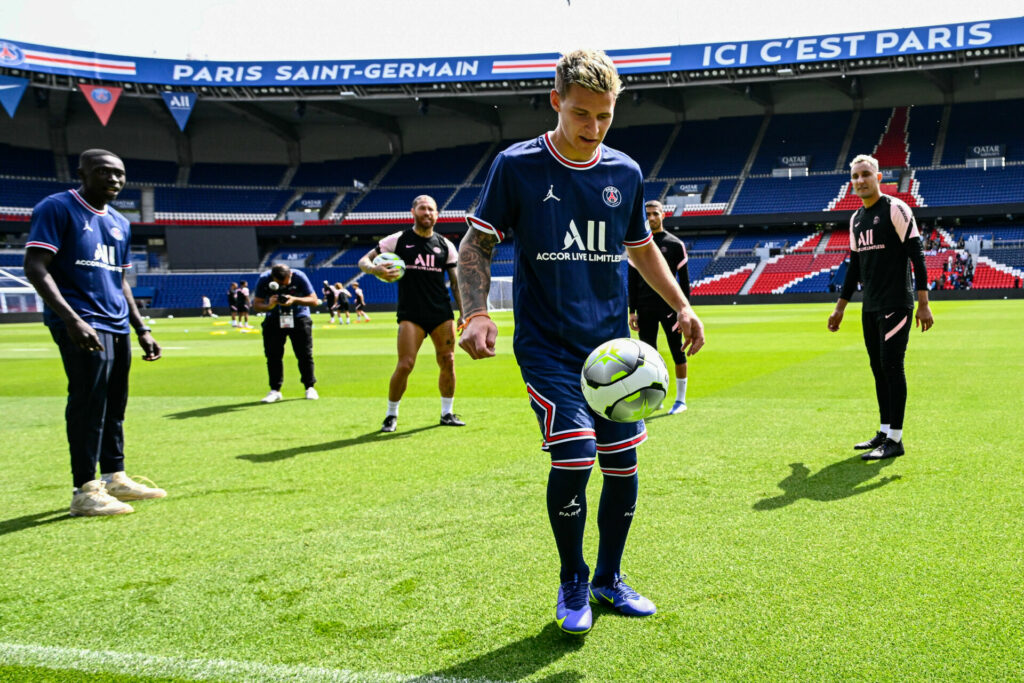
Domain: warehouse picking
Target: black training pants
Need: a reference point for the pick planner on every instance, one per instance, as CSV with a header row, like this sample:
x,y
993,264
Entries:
x,y
886,334
302,344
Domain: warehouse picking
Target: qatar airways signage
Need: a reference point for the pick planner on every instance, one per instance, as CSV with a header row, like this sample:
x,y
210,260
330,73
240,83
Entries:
x,y
907,41
986,151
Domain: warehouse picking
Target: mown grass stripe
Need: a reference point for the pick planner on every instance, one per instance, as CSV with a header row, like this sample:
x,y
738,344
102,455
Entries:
x,y
108,661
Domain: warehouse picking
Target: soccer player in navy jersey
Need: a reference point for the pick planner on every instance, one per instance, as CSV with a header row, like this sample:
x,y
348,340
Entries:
x,y
884,244
76,256
573,206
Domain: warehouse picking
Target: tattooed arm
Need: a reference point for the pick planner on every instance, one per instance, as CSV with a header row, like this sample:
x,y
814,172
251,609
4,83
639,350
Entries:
x,y
474,282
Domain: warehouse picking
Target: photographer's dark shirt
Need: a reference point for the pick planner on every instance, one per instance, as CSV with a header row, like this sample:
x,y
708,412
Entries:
x,y
299,286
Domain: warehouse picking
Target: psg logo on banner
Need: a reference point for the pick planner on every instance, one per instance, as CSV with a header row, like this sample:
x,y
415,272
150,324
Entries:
x,y
611,195
10,54
102,99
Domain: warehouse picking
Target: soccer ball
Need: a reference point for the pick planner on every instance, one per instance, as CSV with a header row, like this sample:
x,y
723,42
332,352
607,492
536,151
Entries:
x,y
274,286
624,380
394,260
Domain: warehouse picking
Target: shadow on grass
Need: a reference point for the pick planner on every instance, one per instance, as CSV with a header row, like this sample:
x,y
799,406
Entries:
x,y
835,482
207,411
369,437
517,660
9,526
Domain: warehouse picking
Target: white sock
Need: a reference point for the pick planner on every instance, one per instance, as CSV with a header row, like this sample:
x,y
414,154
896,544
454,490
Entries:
x,y
896,435
393,407
681,389
884,429
107,478
446,405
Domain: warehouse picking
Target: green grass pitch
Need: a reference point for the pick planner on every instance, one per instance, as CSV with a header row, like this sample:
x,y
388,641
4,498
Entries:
x,y
298,543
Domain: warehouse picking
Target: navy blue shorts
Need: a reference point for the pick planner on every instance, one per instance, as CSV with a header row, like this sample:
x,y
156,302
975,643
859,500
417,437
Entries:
x,y
563,413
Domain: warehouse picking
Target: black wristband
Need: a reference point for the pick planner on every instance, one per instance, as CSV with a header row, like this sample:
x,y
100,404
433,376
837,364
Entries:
x,y
142,330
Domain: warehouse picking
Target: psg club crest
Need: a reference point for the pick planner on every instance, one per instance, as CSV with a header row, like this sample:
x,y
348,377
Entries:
x,y
116,233
437,250
11,54
101,95
611,195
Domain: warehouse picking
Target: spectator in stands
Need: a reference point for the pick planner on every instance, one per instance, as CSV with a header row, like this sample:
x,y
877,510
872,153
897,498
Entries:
x,y
233,303
647,310
341,302
884,238
207,311
424,306
1016,283
359,302
242,303
285,295
76,257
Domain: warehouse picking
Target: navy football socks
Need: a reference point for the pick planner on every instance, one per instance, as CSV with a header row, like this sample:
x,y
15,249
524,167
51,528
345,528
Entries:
x,y
567,504
615,513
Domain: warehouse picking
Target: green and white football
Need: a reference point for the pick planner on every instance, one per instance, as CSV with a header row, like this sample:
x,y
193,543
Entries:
x,y
624,380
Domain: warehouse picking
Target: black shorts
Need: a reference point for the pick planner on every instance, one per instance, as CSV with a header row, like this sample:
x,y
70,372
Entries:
x,y
341,306
648,320
427,324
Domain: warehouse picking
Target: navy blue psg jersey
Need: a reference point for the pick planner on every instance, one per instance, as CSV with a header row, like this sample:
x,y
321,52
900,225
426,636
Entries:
x,y
91,253
571,222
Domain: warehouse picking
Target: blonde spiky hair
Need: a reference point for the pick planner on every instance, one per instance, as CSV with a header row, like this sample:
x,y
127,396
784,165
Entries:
x,y
866,158
590,69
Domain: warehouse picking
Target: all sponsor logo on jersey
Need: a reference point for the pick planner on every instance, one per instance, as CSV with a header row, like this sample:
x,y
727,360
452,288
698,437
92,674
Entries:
x,y
577,247
103,257
611,196
866,238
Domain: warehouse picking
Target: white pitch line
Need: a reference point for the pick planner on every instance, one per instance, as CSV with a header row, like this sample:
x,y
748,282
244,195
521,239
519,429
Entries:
x,y
95,661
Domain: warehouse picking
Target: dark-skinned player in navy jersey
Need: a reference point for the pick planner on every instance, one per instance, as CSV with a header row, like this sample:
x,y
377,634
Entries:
x,y
424,307
884,244
647,310
76,256
574,208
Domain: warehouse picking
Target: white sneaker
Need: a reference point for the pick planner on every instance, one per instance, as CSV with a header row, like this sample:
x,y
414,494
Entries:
x,y
311,393
123,487
92,500
677,407
272,397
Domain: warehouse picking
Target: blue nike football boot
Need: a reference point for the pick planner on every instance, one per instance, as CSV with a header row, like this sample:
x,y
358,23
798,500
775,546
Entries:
x,y
623,599
572,613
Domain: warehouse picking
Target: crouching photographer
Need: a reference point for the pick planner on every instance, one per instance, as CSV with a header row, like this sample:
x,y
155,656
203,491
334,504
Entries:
x,y
285,295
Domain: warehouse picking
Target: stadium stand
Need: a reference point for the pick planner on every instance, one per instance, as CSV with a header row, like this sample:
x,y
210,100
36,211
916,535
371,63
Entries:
x,y
984,123
642,143
966,186
175,204
237,175
782,195
25,162
819,135
449,166
339,172
716,147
